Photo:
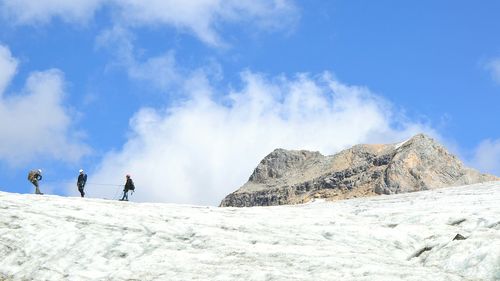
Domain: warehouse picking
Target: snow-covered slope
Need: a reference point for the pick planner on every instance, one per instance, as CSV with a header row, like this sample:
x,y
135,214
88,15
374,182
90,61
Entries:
x,y
398,237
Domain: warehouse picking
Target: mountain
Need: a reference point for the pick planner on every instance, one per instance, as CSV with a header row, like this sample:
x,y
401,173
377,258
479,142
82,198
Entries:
x,y
444,234
291,177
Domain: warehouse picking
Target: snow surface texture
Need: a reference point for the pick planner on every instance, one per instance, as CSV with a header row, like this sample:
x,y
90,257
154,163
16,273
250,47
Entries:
x,y
396,237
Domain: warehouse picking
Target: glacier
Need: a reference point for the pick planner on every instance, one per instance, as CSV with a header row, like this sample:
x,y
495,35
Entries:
x,y
389,237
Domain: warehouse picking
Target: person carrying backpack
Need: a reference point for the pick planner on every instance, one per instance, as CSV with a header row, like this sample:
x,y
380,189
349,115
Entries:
x,y
80,183
34,176
129,185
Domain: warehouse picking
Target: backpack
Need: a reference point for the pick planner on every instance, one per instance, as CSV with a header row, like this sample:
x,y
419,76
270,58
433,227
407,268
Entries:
x,y
129,185
31,175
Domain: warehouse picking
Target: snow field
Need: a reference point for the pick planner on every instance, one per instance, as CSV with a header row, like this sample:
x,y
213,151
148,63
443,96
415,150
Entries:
x,y
398,237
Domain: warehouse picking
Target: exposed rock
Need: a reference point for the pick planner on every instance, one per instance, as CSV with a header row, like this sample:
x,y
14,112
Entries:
x,y
291,177
459,237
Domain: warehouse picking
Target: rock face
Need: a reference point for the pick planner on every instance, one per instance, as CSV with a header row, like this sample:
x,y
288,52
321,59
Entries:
x,y
292,177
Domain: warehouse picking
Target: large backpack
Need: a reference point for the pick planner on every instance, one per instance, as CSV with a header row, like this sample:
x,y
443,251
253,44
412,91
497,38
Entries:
x,y
31,175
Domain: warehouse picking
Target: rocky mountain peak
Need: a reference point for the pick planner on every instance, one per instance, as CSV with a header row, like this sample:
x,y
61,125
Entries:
x,y
280,163
298,176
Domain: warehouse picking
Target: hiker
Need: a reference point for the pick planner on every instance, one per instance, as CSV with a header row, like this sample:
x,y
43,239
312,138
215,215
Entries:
x,y
34,176
129,185
82,180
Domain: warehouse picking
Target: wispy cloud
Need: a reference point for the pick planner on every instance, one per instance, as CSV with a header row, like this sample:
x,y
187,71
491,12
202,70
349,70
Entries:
x,y
43,11
159,71
201,18
8,67
493,66
35,123
487,157
206,146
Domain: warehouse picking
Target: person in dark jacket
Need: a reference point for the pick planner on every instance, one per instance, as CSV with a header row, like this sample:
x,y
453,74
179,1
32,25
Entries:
x,y
80,183
34,176
129,185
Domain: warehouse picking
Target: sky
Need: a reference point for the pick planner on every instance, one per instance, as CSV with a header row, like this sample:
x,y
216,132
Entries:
x,y
188,96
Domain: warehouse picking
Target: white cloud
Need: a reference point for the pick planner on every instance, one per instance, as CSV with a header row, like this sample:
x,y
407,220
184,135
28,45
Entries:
x,y
42,11
35,123
159,71
494,67
8,66
487,157
201,17
205,147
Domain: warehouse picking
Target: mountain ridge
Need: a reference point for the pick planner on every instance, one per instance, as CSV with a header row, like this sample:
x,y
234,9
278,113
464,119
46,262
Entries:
x,y
299,176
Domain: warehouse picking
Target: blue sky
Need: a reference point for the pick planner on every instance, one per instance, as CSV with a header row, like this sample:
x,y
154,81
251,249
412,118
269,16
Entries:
x,y
188,96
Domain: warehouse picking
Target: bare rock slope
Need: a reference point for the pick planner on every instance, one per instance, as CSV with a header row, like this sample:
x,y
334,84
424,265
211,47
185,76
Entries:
x,y
291,177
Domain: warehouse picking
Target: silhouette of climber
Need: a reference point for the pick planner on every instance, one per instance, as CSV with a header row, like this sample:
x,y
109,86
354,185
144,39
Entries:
x,y
82,180
129,185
